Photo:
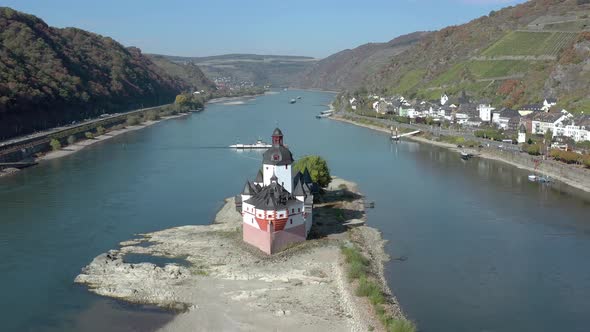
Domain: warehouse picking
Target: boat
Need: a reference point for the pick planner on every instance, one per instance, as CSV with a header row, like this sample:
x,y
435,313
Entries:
x,y
298,97
258,145
319,116
540,179
327,112
292,101
465,155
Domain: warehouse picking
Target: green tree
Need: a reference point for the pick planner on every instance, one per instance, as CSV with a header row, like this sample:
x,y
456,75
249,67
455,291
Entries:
x,y
317,167
132,120
71,139
89,135
55,144
182,100
100,130
548,137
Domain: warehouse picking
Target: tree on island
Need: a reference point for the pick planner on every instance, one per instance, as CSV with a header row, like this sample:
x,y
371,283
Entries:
x,y
317,167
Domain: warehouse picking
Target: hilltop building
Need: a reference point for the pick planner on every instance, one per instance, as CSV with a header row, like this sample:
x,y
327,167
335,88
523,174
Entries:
x,y
277,207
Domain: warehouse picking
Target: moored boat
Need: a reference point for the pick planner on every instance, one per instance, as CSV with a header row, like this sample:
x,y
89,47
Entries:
x,y
292,101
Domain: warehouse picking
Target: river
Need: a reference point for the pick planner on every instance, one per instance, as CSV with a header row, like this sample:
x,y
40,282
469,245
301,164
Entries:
x,y
476,246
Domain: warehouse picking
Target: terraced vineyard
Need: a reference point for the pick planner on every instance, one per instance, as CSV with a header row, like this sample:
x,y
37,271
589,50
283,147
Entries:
x,y
524,43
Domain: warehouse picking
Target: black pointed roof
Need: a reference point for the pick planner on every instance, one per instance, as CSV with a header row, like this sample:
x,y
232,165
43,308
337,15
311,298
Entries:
x,y
277,132
259,177
298,190
248,189
306,176
273,196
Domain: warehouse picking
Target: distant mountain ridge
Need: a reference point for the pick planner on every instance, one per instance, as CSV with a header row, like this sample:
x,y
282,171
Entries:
x,y
351,68
51,76
275,70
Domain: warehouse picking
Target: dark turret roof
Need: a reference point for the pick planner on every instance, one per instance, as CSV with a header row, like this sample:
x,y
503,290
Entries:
x,y
277,155
277,132
307,177
271,197
522,128
274,178
259,177
248,189
298,191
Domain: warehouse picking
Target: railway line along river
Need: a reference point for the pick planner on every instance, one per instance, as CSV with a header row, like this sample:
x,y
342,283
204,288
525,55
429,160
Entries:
x,y
475,246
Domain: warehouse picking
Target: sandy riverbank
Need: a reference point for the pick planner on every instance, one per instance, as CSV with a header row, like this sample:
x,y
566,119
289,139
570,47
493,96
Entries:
x,y
79,145
228,285
482,153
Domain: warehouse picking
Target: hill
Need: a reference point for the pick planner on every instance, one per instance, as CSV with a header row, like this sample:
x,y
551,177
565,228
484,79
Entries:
x,y
513,56
349,69
276,70
51,76
189,73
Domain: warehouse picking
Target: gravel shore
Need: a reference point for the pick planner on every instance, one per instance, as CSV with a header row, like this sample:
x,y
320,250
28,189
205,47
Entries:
x,y
228,285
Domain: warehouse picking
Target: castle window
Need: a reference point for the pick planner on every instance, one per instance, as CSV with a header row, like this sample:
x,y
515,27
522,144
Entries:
x,y
292,210
298,209
291,221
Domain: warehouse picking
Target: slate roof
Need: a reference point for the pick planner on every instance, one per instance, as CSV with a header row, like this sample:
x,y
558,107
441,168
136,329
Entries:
x,y
277,132
277,155
532,107
508,113
547,117
259,177
271,197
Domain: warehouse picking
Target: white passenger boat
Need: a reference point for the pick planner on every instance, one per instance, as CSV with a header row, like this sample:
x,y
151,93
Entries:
x,y
258,145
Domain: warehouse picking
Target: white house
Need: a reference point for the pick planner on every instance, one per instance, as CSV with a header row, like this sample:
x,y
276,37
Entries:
x,y
443,99
485,111
577,128
541,122
548,103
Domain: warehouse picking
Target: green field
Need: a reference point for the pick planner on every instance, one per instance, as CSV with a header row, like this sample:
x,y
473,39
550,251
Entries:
x,y
483,70
409,80
531,43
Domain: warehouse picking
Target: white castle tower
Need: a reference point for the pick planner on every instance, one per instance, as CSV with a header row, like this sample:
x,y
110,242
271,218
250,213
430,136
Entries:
x,y
277,161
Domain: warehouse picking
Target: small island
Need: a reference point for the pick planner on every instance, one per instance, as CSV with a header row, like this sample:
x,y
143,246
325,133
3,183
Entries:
x,y
329,279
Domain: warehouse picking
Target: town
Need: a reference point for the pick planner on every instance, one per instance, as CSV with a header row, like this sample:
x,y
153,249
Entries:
x,y
521,125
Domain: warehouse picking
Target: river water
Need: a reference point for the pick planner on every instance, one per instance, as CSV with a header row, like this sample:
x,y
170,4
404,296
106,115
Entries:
x,y
476,246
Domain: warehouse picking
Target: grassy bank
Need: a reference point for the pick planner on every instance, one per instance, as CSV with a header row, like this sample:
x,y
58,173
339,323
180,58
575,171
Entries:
x,y
359,273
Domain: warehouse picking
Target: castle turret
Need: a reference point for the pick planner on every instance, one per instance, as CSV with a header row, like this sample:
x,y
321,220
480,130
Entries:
x,y
277,161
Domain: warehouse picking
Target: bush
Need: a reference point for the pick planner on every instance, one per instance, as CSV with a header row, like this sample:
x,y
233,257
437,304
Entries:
x,y
71,139
132,120
567,157
400,325
532,149
152,115
100,130
55,144
89,135
587,160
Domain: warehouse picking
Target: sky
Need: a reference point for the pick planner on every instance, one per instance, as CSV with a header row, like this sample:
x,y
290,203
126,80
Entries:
x,y
314,28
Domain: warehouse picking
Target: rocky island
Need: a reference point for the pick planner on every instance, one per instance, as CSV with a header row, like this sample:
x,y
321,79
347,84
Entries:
x,y
222,283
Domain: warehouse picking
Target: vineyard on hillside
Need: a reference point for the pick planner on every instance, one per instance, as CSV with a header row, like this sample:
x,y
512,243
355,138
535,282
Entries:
x,y
525,43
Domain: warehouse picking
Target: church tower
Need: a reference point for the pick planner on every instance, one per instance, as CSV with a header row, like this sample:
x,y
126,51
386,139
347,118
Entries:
x,y
277,162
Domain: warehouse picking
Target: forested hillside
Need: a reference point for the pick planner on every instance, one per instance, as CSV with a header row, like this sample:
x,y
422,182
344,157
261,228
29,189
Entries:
x,y
51,76
350,69
513,56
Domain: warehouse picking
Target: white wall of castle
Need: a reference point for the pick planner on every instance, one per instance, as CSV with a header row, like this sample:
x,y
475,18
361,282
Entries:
x,y
294,211
282,172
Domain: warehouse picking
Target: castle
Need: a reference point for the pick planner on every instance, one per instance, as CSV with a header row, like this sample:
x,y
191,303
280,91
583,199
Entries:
x,y
277,207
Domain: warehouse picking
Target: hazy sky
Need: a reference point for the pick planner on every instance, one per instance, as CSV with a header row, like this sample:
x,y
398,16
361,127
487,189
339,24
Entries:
x,y
306,27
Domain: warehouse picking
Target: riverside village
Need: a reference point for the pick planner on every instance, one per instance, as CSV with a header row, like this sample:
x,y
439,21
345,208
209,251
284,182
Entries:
x,y
532,119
